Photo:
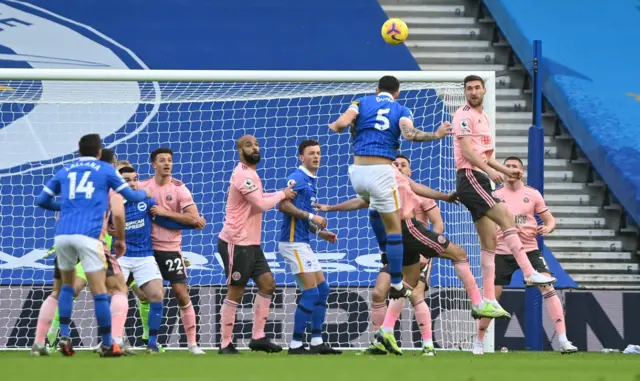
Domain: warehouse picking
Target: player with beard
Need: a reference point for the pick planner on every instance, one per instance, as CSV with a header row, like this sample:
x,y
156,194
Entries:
x,y
176,203
239,247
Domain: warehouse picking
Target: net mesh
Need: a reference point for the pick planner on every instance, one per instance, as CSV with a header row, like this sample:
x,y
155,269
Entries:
x,y
43,120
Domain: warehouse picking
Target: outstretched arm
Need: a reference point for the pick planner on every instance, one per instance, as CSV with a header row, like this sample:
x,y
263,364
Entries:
x,y
349,205
425,191
410,133
344,121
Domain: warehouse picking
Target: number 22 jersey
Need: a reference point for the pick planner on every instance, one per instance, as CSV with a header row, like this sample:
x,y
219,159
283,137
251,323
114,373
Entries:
x,y
377,127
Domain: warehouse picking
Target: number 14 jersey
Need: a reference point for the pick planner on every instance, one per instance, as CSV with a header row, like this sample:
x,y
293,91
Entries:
x,y
377,127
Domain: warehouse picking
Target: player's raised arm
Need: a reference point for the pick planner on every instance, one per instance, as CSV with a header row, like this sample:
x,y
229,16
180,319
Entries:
x,y
425,191
254,195
355,203
410,133
347,118
117,183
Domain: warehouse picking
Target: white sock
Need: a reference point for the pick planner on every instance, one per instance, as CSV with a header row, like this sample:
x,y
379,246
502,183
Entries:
x,y
295,344
479,342
118,340
562,338
397,286
316,341
427,343
387,330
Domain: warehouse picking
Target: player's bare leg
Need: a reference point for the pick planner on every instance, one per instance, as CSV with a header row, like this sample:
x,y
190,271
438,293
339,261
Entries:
x,y
188,315
479,307
378,310
117,287
154,291
262,303
504,218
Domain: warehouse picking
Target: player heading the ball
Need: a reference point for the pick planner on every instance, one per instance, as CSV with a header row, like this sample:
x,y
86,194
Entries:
x,y
84,189
473,149
377,123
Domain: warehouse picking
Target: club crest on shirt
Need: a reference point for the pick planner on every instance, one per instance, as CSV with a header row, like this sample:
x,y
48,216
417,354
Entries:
x,y
142,206
291,183
249,184
441,239
486,140
169,198
526,200
235,276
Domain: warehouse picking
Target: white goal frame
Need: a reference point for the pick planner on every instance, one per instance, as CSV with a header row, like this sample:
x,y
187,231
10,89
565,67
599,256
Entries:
x,y
110,75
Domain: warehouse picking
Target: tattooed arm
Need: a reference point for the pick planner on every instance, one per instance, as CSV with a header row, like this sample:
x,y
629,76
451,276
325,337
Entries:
x,y
414,135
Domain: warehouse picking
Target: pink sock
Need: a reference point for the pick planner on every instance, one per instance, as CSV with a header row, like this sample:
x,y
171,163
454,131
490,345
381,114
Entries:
x,y
483,325
554,307
228,312
515,245
393,313
378,312
188,315
119,309
463,271
488,264
423,317
47,312
260,313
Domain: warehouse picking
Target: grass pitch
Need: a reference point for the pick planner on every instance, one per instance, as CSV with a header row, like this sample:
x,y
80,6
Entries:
x,y
458,366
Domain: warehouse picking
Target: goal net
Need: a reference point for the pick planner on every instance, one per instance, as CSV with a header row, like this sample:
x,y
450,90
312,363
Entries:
x,y
199,117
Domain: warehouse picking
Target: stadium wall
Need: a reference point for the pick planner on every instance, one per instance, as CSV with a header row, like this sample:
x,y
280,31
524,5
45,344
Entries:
x,y
595,320
590,78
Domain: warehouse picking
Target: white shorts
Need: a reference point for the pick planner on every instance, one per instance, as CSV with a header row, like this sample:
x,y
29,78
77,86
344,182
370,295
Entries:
x,y
144,269
300,257
73,247
377,185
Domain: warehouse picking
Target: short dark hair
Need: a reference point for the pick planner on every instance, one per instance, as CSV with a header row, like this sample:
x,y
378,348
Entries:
x,y
90,145
471,78
401,156
514,158
107,155
124,170
305,144
389,84
160,150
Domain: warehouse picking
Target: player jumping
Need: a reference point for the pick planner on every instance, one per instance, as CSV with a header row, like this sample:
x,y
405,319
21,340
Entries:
x,y
524,201
297,221
475,165
174,202
239,247
419,240
378,121
84,187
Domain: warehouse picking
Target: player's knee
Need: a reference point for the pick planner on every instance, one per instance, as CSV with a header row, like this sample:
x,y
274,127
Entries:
x,y
378,295
323,291
154,297
545,288
458,255
268,287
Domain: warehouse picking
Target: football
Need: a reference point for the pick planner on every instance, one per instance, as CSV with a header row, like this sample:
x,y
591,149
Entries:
x,y
395,31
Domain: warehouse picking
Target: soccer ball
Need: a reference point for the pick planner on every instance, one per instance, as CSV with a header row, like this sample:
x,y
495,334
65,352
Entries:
x,y
395,31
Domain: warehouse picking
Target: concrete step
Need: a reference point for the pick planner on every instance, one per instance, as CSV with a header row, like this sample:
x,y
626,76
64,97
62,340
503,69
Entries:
x,y
566,199
601,267
393,9
421,46
438,57
440,33
511,104
420,21
562,176
588,233
518,150
518,139
576,222
609,286
509,93
520,117
587,256
513,128
606,278
563,187
464,67
573,211
563,244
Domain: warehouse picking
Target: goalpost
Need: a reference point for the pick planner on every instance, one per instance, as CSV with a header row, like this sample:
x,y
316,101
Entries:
x,y
199,114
